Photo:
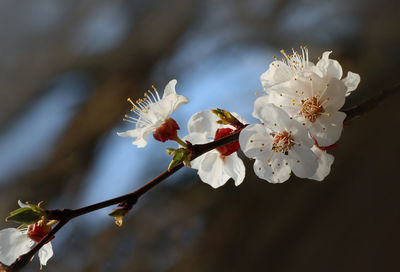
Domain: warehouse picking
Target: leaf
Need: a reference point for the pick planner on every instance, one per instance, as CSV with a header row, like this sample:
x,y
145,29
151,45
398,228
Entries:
x,y
25,216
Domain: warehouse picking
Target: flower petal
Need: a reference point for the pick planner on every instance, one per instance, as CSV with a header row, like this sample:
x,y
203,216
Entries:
x,y
277,171
197,138
333,97
255,142
274,118
141,134
302,161
170,88
45,253
22,205
13,243
211,170
351,81
204,122
327,129
234,167
325,161
330,68
277,72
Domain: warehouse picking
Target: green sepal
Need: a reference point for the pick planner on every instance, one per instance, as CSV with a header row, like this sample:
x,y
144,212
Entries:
x,y
117,213
226,118
181,155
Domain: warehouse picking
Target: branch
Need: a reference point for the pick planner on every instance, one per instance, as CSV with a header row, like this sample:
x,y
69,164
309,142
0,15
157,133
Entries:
x,y
370,103
64,216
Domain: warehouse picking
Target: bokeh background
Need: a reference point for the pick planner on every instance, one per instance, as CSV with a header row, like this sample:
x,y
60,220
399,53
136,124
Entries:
x,y
66,69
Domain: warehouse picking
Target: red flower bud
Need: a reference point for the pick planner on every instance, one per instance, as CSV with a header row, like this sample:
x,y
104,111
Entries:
x,y
227,149
167,131
38,230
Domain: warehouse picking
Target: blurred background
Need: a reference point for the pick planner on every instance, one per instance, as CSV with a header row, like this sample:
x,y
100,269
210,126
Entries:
x,y
67,68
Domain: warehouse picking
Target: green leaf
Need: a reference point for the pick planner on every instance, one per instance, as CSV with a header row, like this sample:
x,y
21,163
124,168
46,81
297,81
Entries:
x,y
26,216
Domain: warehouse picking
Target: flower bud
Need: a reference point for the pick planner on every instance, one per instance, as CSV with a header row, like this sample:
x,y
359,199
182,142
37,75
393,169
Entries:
x,y
167,131
227,149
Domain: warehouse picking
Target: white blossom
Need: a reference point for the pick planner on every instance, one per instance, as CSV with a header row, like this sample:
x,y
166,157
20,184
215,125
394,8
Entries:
x,y
151,112
279,146
311,94
213,167
16,242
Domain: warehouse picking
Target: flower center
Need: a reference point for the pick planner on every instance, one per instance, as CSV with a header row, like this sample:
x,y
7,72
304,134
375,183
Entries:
x,y
38,230
311,108
282,142
227,149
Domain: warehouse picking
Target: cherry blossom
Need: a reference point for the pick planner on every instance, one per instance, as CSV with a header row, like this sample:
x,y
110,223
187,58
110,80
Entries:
x,y
16,242
311,94
217,166
279,146
152,114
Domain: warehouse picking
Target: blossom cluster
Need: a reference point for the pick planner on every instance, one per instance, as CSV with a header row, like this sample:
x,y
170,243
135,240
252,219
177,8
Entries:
x,y
300,119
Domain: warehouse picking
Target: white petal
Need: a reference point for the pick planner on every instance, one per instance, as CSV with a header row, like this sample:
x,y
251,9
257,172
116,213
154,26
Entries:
x,y
132,133
282,99
333,97
13,243
22,205
141,134
277,72
273,117
204,122
327,129
325,161
211,170
169,103
302,161
301,135
275,171
197,138
351,81
170,88
255,142
330,68
234,167
45,253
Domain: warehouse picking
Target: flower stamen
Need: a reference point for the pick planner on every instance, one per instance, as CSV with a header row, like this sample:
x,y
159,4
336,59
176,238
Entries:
x,y
311,108
282,142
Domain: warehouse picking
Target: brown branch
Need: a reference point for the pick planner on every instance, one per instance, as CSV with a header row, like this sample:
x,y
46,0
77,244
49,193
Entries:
x,y
64,216
370,103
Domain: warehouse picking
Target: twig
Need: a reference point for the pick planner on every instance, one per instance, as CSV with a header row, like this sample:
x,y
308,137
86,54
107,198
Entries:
x,y
65,215
370,103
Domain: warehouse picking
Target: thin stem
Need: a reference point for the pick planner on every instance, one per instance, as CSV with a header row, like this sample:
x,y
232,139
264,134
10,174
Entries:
x,y
180,141
64,216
